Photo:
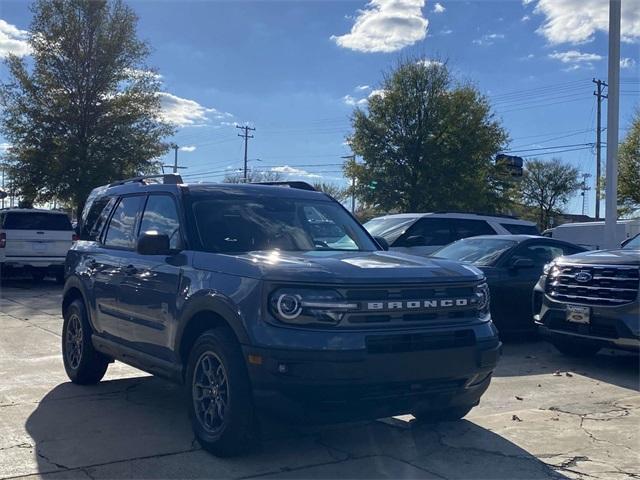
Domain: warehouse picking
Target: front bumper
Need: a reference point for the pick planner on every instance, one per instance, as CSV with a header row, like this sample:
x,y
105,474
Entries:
x,y
610,326
395,372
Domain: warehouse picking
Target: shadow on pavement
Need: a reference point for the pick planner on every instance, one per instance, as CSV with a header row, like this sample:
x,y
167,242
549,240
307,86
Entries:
x,y
138,428
534,358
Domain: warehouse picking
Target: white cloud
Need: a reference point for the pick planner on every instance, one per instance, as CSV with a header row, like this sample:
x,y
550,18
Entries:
x,y
386,26
352,101
576,21
361,88
574,56
527,2
438,8
525,18
488,39
187,113
4,146
292,171
188,148
447,31
13,40
427,62
627,63
379,92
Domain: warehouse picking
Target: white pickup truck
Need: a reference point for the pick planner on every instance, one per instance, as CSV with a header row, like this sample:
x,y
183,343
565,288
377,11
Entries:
x,y
35,241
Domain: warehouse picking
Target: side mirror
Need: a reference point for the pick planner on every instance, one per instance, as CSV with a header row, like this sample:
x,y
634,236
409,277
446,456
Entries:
x,y
521,263
382,242
414,241
153,243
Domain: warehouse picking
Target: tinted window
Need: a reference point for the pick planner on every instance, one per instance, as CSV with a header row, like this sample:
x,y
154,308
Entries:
x,y
120,232
427,232
516,229
479,251
541,254
389,228
471,228
95,218
244,225
36,221
633,244
161,215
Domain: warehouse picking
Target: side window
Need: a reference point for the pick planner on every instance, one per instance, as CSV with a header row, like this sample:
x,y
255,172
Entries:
x,y
541,254
121,229
161,215
427,232
96,218
471,228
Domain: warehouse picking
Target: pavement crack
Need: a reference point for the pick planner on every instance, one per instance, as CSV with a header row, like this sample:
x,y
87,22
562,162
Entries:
x,y
48,460
19,445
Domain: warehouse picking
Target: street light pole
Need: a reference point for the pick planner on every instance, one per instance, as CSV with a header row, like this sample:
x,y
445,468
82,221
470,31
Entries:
x,y
611,201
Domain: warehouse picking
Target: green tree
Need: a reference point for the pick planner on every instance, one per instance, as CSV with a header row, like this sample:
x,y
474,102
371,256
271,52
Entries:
x,y
336,191
427,144
629,169
546,187
87,111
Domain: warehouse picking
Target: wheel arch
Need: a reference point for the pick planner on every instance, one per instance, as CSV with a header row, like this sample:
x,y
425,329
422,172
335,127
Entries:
x,y
73,291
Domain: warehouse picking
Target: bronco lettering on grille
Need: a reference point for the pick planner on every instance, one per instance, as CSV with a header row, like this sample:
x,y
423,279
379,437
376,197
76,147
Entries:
x,y
420,304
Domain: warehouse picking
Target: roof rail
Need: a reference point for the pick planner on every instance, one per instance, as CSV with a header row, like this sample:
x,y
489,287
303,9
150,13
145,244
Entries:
x,y
166,178
295,184
499,215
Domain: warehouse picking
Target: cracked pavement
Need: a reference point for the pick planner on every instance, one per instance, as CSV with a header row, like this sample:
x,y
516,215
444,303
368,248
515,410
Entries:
x,y
533,423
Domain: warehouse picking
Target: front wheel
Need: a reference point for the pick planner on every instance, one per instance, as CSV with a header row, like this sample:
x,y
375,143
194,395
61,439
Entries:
x,y
83,364
220,397
450,414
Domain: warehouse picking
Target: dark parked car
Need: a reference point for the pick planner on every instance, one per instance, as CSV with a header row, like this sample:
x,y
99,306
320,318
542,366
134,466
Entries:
x,y
225,288
589,301
512,264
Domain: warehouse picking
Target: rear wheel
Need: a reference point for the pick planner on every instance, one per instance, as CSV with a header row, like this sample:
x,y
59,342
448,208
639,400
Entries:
x,y
220,397
575,349
450,414
83,364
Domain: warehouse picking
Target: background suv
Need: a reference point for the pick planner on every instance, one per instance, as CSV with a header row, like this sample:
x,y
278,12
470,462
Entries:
x,y
424,233
235,292
34,240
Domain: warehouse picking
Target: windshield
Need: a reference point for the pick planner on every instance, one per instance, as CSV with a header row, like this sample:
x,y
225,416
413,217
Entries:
x,y
270,223
389,228
479,251
519,229
633,244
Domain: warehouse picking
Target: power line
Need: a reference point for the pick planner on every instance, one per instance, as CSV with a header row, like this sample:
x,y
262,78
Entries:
x,y
550,148
246,137
599,95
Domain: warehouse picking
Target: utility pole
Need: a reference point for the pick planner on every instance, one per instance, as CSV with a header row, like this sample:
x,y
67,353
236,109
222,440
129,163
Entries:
x,y
3,192
175,165
600,85
246,137
353,183
613,113
584,189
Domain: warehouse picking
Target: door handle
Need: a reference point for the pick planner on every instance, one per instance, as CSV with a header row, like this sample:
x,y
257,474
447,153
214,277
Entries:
x,y
130,270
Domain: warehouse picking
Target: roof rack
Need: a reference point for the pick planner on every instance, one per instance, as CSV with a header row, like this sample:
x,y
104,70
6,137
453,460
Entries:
x,y
166,178
295,184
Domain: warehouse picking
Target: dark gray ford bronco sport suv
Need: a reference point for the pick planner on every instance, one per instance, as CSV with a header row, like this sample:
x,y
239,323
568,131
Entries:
x,y
243,293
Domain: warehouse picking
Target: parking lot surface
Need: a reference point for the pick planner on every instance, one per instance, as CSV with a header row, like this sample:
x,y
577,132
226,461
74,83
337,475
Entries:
x,y
544,416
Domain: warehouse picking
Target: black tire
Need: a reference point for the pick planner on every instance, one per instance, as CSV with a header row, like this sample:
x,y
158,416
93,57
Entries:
x,y
220,397
575,349
83,364
450,414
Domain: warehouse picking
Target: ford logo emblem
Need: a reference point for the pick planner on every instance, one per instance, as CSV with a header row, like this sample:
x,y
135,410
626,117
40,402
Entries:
x,y
583,277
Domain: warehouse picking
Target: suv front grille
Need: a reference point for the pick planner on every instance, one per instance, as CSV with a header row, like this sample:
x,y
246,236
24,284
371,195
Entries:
x,y
406,296
608,285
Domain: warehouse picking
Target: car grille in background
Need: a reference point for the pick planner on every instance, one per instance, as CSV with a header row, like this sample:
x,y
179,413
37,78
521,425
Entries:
x,y
409,316
608,285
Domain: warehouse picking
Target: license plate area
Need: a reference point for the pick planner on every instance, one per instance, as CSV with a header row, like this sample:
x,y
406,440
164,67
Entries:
x,y
578,314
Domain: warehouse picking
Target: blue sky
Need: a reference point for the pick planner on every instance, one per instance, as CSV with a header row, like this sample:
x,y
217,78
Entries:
x,y
295,69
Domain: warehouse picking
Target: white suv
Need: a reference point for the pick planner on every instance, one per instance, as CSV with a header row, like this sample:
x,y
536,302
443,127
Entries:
x,y
34,240
424,233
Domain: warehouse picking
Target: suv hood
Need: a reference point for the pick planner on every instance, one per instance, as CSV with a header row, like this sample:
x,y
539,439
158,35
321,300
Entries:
x,y
342,267
604,257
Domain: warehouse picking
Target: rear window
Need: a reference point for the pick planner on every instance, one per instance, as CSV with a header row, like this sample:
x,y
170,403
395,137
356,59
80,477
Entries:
x,y
517,229
36,221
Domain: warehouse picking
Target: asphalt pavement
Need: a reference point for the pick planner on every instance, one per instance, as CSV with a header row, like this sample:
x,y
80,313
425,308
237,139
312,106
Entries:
x,y
545,416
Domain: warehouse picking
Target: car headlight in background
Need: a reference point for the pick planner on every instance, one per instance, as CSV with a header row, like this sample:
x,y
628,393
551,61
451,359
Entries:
x,y
484,297
309,306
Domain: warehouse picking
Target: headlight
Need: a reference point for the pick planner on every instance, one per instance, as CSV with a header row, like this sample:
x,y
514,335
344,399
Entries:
x,y
484,297
309,306
547,268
